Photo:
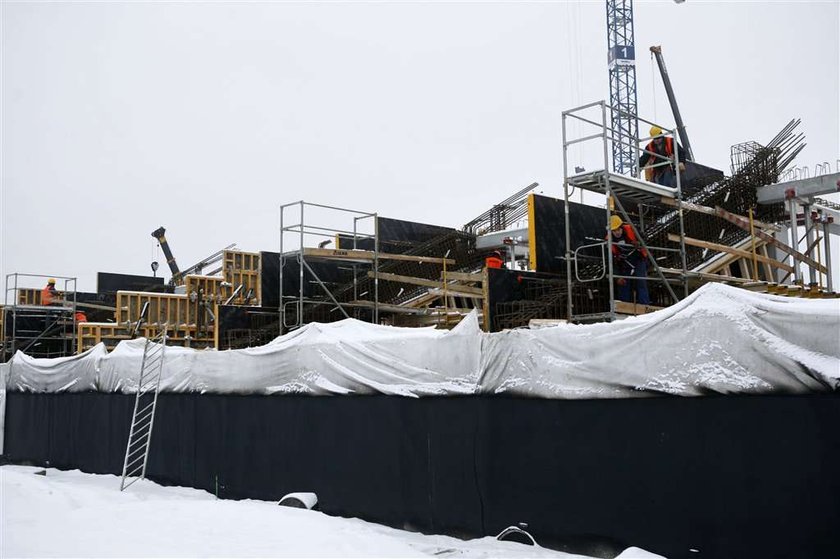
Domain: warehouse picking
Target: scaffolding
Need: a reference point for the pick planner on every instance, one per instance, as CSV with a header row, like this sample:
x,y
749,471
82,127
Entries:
x,y
37,330
357,254
617,188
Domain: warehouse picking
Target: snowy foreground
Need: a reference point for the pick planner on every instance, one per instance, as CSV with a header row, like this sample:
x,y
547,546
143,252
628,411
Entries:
x,y
72,514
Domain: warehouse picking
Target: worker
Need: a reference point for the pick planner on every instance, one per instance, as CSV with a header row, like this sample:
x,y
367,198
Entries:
x,y
657,169
629,259
495,260
49,295
80,317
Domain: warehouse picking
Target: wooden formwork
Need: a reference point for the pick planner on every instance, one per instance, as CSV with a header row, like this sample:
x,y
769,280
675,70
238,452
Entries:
x,y
164,308
243,268
88,334
28,296
211,288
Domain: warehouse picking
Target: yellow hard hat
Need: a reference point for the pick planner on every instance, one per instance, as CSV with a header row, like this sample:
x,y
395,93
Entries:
x,y
615,222
655,131
51,281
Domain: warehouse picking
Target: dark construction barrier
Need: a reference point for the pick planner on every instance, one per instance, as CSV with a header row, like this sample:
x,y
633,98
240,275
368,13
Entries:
x,y
735,476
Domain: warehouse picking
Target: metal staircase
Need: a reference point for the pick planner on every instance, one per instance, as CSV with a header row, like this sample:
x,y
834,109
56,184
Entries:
x,y
143,419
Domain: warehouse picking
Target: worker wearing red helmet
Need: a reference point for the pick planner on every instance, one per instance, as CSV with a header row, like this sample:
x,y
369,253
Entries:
x,y
629,259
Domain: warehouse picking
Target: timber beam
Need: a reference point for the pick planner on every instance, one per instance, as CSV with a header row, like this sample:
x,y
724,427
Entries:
x,y
370,256
744,224
453,289
724,248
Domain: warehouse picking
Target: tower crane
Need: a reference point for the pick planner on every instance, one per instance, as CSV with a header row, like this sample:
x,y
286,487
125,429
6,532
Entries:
x,y
621,61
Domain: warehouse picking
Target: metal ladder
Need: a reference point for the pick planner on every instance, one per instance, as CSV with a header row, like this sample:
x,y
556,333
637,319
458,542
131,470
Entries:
x,y
143,419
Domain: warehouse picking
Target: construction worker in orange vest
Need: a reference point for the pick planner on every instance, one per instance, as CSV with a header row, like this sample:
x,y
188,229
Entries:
x,y
662,146
495,260
629,259
49,295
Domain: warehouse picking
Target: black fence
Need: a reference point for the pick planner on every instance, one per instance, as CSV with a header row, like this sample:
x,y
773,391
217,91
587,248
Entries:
x,y
729,476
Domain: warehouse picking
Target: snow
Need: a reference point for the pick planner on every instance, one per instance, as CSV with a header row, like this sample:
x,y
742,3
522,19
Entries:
x,y
720,340
73,514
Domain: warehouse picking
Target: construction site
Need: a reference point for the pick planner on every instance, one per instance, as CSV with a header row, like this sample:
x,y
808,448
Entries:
x,y
488,355
762,228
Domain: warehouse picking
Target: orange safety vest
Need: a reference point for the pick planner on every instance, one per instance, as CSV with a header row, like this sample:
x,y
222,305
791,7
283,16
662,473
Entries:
x,y
494,262
631,238
80,317
650,172
47,295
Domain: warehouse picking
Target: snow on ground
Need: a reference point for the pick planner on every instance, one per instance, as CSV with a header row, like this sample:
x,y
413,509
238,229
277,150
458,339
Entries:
x,y
73,514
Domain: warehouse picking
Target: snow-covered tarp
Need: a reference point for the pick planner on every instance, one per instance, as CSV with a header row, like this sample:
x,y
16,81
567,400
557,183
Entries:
x,y
719,340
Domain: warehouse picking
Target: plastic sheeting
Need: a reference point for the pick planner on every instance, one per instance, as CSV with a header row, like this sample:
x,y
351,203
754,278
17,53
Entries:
x,y
719,340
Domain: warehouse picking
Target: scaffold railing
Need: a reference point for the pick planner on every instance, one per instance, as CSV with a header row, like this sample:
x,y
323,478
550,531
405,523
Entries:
x,y
36,329
618,189
357,244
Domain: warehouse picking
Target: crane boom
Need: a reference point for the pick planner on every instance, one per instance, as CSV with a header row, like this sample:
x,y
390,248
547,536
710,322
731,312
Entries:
x,y
660,61
167,252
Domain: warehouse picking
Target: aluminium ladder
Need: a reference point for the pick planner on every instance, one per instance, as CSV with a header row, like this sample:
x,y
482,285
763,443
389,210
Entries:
x,y
143,419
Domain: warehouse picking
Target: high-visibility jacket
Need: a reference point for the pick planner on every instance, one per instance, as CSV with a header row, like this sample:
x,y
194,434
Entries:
x,y
494,262
48,294
629,237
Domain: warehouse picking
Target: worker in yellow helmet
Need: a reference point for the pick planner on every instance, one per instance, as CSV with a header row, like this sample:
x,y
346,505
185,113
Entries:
x,y
629,259
49,295
654,158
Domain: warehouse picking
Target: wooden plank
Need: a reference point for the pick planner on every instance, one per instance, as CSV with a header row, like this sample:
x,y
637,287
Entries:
x,y
711,211
423,300
744,224
768,272
463,276
391,308
441,292
368,256
459,290
623,307
706,275
723,248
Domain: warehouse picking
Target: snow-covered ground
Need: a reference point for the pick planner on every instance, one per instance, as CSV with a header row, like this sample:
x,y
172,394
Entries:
x,y
73,514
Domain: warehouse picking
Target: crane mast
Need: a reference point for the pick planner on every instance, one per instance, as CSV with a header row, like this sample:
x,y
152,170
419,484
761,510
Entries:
x,y
621,59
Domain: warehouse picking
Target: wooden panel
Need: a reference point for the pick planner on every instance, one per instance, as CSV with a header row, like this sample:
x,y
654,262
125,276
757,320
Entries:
x,y
243,268
622,307
164,308
89,334
27,296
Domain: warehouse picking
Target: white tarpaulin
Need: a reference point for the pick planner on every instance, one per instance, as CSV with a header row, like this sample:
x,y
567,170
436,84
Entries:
x,y
719,340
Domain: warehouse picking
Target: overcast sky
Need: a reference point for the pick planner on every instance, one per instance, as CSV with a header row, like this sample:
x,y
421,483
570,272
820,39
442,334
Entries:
x,y
206,117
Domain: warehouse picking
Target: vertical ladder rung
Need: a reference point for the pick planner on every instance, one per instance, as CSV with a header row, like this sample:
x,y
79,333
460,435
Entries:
x,y
140,433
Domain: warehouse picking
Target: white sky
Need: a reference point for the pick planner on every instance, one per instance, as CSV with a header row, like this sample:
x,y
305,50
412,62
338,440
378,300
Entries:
x,y
205,117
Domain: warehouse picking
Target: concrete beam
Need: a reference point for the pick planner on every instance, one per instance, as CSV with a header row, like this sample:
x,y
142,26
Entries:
x,y
805,188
